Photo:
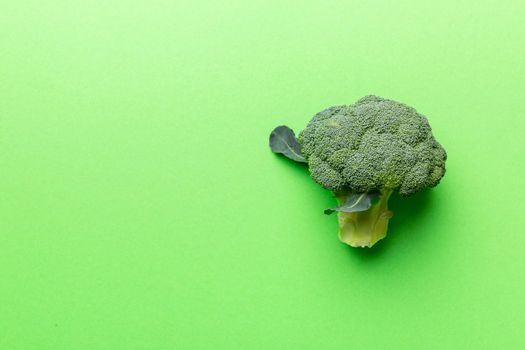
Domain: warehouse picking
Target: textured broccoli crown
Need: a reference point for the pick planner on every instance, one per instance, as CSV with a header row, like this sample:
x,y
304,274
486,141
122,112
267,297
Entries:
x,y
374,144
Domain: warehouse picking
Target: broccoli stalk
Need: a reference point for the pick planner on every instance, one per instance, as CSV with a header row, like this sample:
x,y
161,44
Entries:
x,y
364,228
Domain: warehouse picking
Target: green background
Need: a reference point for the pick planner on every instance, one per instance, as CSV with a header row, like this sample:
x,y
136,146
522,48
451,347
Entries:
x,y
140,206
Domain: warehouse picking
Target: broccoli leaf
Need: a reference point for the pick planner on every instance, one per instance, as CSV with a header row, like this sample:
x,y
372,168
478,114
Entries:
x,y
282,140
355,202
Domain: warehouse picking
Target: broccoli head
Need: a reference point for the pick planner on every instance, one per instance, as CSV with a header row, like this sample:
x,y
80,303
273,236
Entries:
x,y
365,151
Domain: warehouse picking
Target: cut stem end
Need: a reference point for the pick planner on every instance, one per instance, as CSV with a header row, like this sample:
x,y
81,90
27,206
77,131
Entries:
x,y
365,228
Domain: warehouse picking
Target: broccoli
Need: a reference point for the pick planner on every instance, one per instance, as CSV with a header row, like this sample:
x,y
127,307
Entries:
x,y
364,152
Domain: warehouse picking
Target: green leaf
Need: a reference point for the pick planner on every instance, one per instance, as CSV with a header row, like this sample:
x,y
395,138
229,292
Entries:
x,y
282,140
355,202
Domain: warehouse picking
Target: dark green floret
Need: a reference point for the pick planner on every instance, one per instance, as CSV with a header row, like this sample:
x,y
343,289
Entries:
x,y
374,144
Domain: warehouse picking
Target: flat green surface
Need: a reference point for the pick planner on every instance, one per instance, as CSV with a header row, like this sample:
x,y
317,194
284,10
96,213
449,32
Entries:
x,y
142,209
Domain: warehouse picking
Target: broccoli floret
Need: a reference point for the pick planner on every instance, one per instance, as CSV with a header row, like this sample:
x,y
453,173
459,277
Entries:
x,y
373,146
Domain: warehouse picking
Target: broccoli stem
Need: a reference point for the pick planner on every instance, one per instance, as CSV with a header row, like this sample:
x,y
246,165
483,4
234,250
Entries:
x,y
365,228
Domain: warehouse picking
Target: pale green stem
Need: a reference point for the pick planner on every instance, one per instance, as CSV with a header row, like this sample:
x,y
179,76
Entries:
x,y
365,228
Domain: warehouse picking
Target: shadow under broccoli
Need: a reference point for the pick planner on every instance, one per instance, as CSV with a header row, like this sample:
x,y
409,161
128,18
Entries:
x,y
363,152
